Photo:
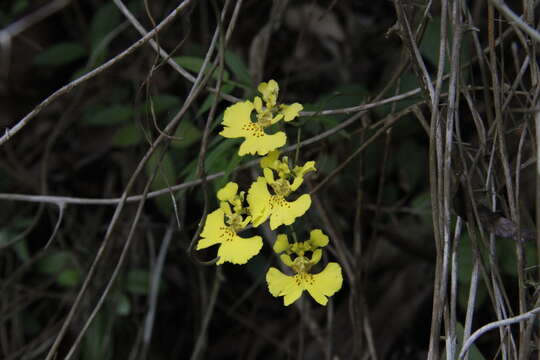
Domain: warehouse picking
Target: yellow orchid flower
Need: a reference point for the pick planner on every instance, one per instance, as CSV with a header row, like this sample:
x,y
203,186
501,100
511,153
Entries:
x,y
320,286
222,227
237,122
233,248
264,205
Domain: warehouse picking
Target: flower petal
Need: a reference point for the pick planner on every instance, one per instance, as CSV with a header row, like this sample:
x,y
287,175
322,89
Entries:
x,y
301,171
326,283
290,111
318,239
228,192
213,229
239,250
269,92
257,102
280,284
237,120
286,259
271,160
259,142
258,199
316,257
281,244
284,212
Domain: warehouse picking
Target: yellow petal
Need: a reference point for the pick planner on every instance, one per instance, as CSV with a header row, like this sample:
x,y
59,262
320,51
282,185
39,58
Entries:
x,y
228,192
296,183
270,160
226,207
326,283
239,250
286,259
257,102
290,111
281,244
280,284
317,238
212,230
268,176
258,199
269,92
276,119
259,142
300,171
237,120
284,212
316,257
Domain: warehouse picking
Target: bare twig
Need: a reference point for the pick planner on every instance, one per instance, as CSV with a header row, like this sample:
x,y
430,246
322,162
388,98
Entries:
x,y
494,325
9,132
154,287
511,16
8,33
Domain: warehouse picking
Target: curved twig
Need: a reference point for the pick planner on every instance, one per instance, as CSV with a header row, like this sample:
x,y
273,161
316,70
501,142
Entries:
x,y
494,325
61,208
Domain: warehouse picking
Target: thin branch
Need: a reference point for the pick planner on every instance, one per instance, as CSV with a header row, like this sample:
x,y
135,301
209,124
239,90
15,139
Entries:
x,y
164,54
192,183
154,287
9,132
494,325
172,125
511,16
61,208
389,123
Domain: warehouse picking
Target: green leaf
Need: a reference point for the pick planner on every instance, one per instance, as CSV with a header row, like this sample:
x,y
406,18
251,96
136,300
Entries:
x,y
138,281
105,20
54,263
95,344
231,165
60,54
112,115
238,68
189,134
127,135
189,62
221,155
220,152
431,40
166,173
160,103
69,277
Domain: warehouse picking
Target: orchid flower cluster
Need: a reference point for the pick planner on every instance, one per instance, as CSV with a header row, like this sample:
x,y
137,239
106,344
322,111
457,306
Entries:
x,y
269,198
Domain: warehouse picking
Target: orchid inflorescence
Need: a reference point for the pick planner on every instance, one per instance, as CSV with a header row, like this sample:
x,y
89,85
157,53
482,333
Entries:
x,y
269,197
